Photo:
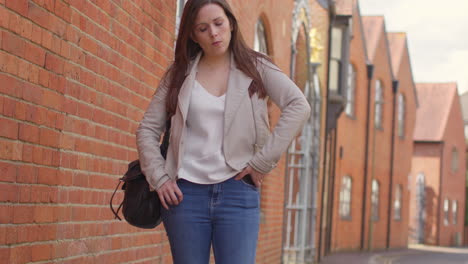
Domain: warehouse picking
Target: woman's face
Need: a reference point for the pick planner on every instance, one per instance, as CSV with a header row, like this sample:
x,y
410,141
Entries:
x,y
212,30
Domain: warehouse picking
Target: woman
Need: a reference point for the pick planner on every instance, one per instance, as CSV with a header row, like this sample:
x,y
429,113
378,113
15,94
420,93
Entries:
x,y
220,150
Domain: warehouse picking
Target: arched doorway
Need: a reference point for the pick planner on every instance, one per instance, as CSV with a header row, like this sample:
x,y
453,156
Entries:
x,y
420,207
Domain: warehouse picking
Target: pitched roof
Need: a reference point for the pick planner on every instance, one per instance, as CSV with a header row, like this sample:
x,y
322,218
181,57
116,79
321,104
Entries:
x,y
435,102
464,105
397,43
344,7
373,27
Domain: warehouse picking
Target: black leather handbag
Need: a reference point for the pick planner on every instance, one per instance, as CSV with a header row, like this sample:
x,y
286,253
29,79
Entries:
x,y
140,206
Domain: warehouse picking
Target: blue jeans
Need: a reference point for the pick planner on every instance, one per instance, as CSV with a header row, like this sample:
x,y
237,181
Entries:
x,y
225,215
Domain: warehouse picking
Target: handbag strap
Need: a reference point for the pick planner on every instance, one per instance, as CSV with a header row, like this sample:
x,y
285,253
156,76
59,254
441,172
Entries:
x,y
116,214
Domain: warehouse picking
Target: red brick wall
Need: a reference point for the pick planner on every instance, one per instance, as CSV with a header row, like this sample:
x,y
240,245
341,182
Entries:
x,y
351,138
403,152
427,160
76,77
453,182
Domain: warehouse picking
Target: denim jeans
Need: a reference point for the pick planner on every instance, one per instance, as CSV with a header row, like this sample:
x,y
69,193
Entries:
x,y
225,215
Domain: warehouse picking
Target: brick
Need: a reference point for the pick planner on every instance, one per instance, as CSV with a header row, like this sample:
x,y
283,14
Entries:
x,y
33,93
44,214
41,252
6,215
24,69
35,54
4,252
47,176
36,34
29,133
63,11
54,63
4,17
25,28
23,214
46,39
38,15
52,99
13,23
10,150
25,193
9,128
20,254
19,6
57,26
13,43
44,77
7,172
27,173
8,63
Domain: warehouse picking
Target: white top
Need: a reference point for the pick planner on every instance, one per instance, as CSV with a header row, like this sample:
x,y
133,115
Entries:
x,y
204,161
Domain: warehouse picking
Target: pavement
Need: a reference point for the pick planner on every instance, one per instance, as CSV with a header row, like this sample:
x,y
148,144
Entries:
x,y
387,256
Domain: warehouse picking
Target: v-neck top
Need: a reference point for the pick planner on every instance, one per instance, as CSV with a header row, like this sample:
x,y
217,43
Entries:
x,y
204,160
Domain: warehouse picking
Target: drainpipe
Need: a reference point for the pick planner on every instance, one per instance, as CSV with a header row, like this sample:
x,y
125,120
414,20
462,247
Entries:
x,y
370,73
331,15
395,85
439,206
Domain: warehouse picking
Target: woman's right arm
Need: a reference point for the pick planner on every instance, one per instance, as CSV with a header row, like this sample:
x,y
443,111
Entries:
x,y
148,136
151,161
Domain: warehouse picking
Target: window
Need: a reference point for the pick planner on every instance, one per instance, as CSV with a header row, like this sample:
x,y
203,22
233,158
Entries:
x,y
397,203
454,159
351,89
454,212
260,40
378,112
401,115
446,212
339,56
375,200
345,198
179,11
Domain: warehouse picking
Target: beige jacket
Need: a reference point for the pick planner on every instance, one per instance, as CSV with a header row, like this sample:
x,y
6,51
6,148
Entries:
x,y
241,145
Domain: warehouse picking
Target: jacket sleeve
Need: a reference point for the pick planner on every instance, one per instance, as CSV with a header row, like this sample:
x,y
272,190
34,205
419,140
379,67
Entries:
x,y
148,137
295,110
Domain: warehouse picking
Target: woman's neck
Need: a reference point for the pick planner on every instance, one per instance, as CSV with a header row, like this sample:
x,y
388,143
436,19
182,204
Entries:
x,y
213,62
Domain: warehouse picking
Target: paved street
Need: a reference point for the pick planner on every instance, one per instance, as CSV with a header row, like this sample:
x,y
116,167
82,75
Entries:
x,y
415,254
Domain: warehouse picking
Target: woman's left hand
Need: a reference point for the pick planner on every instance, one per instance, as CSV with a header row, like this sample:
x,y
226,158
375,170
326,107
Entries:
x,y
256,176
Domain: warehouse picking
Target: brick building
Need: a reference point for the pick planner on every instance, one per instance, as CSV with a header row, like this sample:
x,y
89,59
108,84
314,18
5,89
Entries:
x,y
76,77
438,167
374,139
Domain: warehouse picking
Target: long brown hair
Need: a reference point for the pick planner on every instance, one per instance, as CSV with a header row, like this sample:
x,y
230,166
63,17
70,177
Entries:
x,y
186,50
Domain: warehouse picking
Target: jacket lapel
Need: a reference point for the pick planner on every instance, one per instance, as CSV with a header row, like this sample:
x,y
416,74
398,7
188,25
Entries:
x,y
186,89
238,85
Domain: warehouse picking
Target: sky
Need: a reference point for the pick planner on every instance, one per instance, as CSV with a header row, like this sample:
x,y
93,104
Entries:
x,y
437,33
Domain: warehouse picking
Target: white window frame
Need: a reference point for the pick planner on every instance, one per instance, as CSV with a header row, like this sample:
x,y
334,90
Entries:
x,y
378,105
260,38
179,11
345,197
454,212
351,91
401,115
375,200
397,202
446,211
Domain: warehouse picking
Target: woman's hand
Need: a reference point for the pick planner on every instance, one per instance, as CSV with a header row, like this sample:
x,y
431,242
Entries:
x,y
170,194
256,176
